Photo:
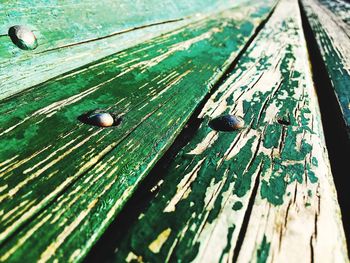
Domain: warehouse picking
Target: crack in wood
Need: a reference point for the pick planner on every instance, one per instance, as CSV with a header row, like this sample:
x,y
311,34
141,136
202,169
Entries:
x,y
113,34
244,227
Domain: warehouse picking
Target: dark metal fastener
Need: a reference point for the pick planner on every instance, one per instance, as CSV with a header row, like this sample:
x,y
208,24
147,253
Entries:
x,y
226,123
23,37
100,118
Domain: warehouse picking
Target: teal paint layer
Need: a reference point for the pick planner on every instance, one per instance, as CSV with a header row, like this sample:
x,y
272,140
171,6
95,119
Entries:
x,y
66,29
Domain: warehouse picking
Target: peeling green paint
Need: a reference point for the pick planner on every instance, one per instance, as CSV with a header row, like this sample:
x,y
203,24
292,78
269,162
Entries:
x,y
263,251
91,172
267,155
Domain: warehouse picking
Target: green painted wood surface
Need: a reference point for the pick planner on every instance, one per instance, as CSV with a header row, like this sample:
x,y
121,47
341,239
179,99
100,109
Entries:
x,y
72,21
61,25
330,23
77,176
279,169
28,70
340,8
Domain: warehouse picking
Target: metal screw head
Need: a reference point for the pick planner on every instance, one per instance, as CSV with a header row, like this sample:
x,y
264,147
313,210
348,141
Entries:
x,y
101,119
226,123
23,37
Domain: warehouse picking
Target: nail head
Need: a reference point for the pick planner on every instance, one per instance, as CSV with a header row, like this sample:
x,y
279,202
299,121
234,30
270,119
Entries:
x,y
226,123
102,119
23,37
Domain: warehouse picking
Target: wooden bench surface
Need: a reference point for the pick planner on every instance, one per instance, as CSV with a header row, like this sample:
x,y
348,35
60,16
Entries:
x,y
68,41
280,169
330,22
264,193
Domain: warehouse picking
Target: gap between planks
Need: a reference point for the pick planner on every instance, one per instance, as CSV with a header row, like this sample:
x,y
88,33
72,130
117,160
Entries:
x,y
335,130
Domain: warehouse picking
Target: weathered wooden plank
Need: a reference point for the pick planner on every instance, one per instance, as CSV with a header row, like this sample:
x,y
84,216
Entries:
x,y
146,85
73,33
331,29
340,8
273,175
71,21
20,72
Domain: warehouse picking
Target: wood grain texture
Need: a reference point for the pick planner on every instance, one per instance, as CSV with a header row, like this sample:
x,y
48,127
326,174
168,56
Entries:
x,y
268,187
340,8
20,72
73,33
155,86
329,21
